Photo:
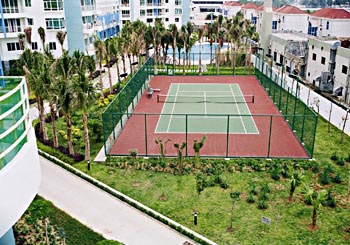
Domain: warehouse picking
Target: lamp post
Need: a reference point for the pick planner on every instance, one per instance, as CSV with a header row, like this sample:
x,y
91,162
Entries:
x,y
131,65
195,217
88,165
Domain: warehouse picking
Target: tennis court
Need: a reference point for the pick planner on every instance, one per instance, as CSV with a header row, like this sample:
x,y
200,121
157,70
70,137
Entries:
x,y
206,106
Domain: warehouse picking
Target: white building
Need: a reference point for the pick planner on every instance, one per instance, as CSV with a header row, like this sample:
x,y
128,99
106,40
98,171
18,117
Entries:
x,y
19,161
202,12
329,22
171,12
250,12
290,18
231,8
82,20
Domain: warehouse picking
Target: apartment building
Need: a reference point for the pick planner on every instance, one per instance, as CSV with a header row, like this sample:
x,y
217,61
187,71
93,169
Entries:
x,y
203,11
19,161
291,18
230,9
82,20
171,12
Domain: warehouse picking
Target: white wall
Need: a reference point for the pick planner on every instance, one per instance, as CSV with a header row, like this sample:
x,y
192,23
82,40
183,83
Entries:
x,y
294,22
341,79
19,183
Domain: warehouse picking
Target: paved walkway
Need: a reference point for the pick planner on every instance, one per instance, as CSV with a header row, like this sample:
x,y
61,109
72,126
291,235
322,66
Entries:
x,y
102,212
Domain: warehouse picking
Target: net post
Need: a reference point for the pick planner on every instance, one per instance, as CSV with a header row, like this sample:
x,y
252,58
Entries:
x,y
302,129
146,148
186,134
157,98
269,143
253,99
227,134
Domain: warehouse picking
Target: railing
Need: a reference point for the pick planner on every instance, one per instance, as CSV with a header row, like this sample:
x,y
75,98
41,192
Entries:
x,y
12,29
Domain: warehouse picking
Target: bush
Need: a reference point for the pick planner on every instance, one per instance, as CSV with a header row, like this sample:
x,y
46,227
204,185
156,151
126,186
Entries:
x,y
324,177
250,198
337,178
224,185
262,204
334,156
265,188
340,162
275,174
315,168
347,159
330,200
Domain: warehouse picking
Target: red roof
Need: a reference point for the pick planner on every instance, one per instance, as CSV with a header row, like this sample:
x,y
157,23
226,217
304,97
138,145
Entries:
x,y
332,13
249,6
233,3
288,9
261,8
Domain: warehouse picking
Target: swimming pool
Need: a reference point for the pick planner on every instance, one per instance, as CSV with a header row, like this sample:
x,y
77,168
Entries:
x,y
205,53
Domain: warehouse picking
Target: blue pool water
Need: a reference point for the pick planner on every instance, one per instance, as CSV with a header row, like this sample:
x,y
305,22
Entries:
x,y
195,51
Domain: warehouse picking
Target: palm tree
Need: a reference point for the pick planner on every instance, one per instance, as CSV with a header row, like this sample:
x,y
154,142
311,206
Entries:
x,y
173,31
200,31
211,30
61,36
100,54
184,38
21,40
34,67
190,29
28,33
116,51
108,54
220,44
41,32
65,69
84,94
295,181
316,200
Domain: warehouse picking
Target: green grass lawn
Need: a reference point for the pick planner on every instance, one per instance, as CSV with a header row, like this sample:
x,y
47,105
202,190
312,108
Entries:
x,y
30,228
176,197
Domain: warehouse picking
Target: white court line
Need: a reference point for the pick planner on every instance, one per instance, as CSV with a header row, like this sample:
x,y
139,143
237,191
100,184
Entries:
x,y
172,111
257,130
205,104
233,94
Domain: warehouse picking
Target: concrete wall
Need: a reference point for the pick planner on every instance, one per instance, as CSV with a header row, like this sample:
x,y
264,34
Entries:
x,y
295,22
342,79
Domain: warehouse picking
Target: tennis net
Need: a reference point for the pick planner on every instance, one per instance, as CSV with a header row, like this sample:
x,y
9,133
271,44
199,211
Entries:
x,y
162,98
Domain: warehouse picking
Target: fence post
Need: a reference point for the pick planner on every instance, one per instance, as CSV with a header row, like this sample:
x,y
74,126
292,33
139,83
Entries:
x,y
186,132
113,123
302,129
269,143
280,98
146,148
314,137
286,113
227,134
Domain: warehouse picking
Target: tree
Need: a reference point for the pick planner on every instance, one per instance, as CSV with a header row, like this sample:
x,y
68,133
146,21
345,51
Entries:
x,y
296,180
84,95
109,52
184,38
34,66
100,55
162,146
21,40
200,31
197,146
65,70
201,183
173,31
28,33
234,197
316,199
41,32
212,29
61,36
179,149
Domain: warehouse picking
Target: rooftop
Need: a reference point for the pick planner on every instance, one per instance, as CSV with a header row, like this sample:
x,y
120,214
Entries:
x,y
290,36
288,9
233,3
249,6
332,13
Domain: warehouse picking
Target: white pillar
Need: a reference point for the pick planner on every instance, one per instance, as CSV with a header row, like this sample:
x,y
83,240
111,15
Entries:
x,y
266,25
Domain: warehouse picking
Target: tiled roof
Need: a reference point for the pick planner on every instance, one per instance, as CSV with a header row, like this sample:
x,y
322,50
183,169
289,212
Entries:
x,y
332,13
249,6
261,8
288,9
233,3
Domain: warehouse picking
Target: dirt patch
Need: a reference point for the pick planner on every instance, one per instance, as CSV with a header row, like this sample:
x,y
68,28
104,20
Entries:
x,y
136,184
279,187
311,228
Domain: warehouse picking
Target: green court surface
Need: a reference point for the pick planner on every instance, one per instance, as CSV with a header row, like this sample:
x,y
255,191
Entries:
x,y
210,108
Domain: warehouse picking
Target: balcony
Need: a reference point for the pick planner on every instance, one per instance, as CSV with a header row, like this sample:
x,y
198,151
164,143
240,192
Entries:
x,y
12,29
11,10
88,7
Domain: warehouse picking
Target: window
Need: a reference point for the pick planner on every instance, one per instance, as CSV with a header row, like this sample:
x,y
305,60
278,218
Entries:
x,y
167,10
34,46
52,45
28,3
327,25
30,21
178,11
142,2
323,60
13,46
274,56
274,25
177,19
313,46
149,20
142,12
53,5
178,2
166,19
344,69
54,23
166,1
314,56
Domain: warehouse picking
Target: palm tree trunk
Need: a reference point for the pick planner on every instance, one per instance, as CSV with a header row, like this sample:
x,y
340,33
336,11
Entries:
x,y
123,59
110,79
41,110
101,82
218,60
174,54
69,134
118,72
54,127
314,218
291,192
86,137
211,51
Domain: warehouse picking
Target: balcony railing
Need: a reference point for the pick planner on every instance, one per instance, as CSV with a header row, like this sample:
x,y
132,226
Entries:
x,y
88,7
12,29
10,10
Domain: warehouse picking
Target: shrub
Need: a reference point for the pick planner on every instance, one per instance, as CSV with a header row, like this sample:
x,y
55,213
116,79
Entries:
x,y
337,178
262,204
252,188
330,200
263,196
250,198
324,177
334,156
224,185
347,159
275,174
340,162
265,188
315,168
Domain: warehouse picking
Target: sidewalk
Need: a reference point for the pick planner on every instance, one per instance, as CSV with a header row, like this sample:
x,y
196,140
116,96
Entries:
x,y
102,212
